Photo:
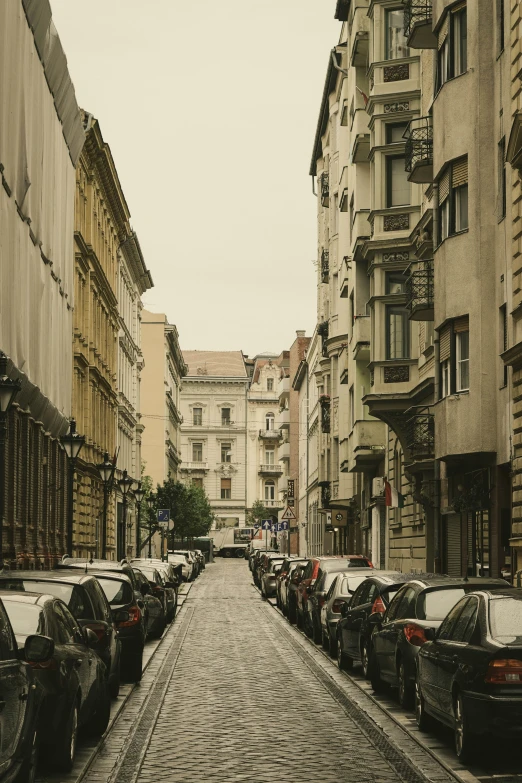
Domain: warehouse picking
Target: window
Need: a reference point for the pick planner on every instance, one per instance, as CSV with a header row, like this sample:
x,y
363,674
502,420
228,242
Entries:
x,y
501,210
395,132
269,422
226,452
452,45
225,416
500,24
396,44
453,199
398,333
226,488
445,370
462,355
397,185
269,456
395,283
197,482
270,384
197,416
269,490
504,340
352,407
197,452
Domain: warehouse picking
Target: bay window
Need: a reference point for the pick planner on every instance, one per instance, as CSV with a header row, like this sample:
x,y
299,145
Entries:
x,y
453,199
397,185
452,45
454,356
397,333
396,43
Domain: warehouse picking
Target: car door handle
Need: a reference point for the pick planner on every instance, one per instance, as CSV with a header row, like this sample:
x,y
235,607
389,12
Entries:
x,y
24,696
78,662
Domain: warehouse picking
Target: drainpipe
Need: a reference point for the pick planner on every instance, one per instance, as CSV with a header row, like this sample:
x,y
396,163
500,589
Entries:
x,y
307,451
436,393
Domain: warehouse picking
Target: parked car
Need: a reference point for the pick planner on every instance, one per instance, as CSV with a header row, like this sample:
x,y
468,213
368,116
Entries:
x,y
130,618
22,695
189,573
157,584
156,617
400,632
264,564
86,601
171,578
318,595
281,577
295,577
469,672
76,692
119,566
341,586
353,632
314,568
268,579
256,555
201,559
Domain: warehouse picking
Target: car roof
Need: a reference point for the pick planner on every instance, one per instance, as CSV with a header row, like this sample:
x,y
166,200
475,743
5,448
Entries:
x,y
13,596
118,577
59,576
450,581
510,592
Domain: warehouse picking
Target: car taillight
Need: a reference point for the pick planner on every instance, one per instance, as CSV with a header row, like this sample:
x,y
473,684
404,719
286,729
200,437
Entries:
x,y
336,606
134,616
504,671
50,665
415,635
378,605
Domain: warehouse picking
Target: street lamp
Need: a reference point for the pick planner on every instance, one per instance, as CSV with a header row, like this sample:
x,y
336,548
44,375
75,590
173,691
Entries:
x,y
125,483
106,469
72,444
9,388
151,502
139,494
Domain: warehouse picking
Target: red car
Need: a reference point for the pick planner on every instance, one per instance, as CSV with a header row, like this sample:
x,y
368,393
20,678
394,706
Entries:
x,y
311,572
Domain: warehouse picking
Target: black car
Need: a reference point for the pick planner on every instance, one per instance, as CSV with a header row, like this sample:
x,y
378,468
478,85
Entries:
x,y
156,581
76,692
295,576
119,566
354,634
400,632
171,579
128,613
86,601
469,672
156,618
317,597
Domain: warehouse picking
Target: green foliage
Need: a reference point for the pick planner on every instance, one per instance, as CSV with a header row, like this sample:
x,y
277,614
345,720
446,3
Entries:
x,y
257,512
189,508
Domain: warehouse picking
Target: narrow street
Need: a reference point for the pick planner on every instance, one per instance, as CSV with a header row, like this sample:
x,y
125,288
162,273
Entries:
x,y
233,693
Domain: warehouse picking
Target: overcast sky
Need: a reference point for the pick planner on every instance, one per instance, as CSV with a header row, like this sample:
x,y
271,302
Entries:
x,y
210,111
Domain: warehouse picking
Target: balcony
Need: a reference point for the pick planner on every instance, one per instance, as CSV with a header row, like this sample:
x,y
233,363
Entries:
x,y
283,389
361,228
284,419
418,24
420,435
270,435
323,330
367,443
419,150
273,503
420,293
270,470
360,341
324,402
284,451
360,151
324,188
194,466
325,266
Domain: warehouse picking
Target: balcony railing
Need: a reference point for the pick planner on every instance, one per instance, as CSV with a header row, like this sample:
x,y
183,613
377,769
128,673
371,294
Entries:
x,y
323,330
324,184
325,266
194,465
271,470
270,434
419,150
420,434
325,413
418,24
421,293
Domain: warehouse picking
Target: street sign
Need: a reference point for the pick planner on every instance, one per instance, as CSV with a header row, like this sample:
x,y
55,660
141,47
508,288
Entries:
x,y
283,525
164,515
290,489
164,523
288,513
266,524
257,526
291,502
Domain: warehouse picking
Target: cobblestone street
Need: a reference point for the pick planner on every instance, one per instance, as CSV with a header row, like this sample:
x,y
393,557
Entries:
x,y
233,694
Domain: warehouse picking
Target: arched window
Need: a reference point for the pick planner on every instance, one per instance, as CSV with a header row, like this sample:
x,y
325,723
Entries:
x,y
269,490
269,421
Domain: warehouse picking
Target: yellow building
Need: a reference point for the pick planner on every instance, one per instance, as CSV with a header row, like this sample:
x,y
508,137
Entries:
x,y
101,226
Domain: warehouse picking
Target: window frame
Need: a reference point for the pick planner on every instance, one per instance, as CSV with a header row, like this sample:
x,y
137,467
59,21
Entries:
x,y
226,420
269,484
390,127
194,445
403,311
226,447
459,362
194,422
389,180
449,208
270,384
225,490
446,55
387,16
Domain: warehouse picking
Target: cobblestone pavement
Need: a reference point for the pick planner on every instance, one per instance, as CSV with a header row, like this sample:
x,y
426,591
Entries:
x,y
234,694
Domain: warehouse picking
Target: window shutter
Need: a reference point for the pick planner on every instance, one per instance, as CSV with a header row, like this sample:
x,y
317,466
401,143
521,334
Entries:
x,y
461,324
445,343
443,32
444,184
459,173
226,483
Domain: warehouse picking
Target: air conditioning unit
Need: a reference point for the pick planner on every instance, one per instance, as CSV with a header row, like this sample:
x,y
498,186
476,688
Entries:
x,y
377,487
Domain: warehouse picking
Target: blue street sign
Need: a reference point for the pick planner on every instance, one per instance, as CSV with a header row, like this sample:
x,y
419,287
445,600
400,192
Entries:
x,y
266,524
257,526
283,525
163,514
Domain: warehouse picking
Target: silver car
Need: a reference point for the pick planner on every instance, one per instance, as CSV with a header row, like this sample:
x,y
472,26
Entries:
x,y
341,589
268,577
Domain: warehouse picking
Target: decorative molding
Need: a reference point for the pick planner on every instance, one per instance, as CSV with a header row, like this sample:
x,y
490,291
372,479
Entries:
x,y
396,106
396,73
397,222
395,258
399,374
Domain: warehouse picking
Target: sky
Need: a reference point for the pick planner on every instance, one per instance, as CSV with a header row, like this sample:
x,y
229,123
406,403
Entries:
x,y
210,110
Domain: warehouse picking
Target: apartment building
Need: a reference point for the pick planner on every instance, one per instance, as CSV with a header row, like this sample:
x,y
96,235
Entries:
x,y
214,451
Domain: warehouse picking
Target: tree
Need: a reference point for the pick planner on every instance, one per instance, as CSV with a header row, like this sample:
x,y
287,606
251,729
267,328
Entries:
x,y
189,508
257,512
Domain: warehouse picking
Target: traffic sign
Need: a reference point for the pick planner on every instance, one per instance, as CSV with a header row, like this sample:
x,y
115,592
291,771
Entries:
x,y
164,515
164,523
288,513
257,526
283,525
266,524
291,502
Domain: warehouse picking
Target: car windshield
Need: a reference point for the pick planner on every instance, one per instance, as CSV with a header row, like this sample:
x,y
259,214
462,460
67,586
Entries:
x,y
25,618
435,604
359,562
152,576
505,620
351,583
116,592
71,595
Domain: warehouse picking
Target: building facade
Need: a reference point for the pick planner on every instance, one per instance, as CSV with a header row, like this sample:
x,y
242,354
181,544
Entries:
x,y
39,151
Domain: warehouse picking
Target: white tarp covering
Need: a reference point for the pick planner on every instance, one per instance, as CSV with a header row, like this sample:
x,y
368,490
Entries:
x,y
36,213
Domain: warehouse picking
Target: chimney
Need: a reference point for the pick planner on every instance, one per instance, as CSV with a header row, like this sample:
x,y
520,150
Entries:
x,y
300,332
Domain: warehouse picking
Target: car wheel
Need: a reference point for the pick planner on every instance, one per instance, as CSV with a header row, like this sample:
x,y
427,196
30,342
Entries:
x,y
98,722
240,552
375,673
114,683
465,745
332,647
135,666
62,754
344,662
421,716
406,689
29,768
227,553
365,659
317,633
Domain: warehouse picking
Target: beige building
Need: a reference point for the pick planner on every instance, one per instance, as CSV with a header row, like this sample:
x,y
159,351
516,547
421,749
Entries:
x,y
161,377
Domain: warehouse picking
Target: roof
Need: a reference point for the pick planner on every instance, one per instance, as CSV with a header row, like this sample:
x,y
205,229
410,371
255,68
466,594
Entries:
x,y
220,364
341,10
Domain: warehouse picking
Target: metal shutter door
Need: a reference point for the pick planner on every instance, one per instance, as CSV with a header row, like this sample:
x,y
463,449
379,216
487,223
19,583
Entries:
x,y
453,545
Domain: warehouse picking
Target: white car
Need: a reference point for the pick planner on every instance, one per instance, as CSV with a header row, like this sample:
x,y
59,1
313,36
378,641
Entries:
x,y
186,562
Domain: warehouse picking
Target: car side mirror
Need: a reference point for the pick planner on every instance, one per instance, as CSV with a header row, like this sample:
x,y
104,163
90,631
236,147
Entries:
x,y
375,619
90,637
145,588
430,634
38,649
172,585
